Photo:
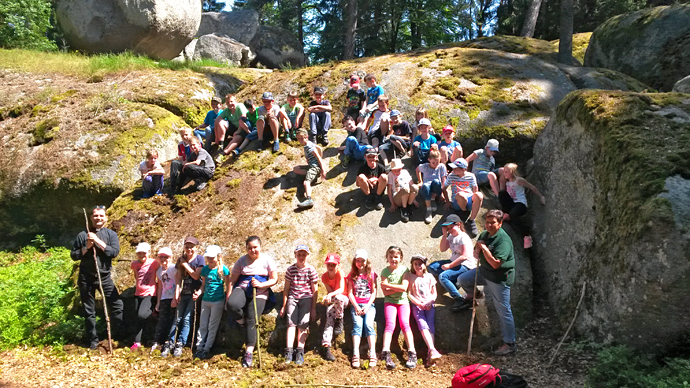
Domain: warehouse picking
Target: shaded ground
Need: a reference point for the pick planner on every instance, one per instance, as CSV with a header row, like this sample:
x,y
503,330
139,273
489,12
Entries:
x,y
77,367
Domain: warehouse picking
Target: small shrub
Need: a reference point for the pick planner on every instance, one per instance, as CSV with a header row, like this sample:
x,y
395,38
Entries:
x,y
23,24
620,366
35,289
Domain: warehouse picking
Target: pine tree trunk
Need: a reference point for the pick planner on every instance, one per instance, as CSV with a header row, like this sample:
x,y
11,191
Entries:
x,y
300,23
531,19
565,45
351,29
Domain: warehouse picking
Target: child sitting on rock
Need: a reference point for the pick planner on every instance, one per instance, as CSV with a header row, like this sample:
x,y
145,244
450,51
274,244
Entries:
x,y
484,165
431,177
299,302
356,143
372,180
183,148
204,131
291,116
451,150
401,191
336,301
152,175
312,170
514,201
198,166
465,195
378,124
356,98
423,143
319,117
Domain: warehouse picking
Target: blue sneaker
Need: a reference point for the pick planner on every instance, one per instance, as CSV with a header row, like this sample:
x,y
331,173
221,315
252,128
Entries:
x,y
299,356
276,146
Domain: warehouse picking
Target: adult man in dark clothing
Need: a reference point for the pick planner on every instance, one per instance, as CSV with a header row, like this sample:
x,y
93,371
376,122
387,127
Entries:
x,y
198,166
107,247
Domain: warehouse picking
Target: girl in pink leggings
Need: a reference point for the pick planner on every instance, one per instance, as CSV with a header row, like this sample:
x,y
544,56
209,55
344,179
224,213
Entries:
x,y
394,283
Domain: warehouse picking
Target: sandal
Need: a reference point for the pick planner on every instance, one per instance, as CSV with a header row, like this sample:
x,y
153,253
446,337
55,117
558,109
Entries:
x,y
372,359
355,360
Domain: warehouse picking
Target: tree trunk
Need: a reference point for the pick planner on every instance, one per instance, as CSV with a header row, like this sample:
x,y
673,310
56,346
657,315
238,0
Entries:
x,y
565,45
351,29
531,19
300,23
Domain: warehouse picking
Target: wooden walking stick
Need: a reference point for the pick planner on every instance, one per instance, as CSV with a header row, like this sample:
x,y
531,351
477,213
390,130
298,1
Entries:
x,y
474,309
193,345
100,285
256,325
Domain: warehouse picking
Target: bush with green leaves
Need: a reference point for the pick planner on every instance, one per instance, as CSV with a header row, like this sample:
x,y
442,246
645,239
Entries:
x,y
24,24
35,293
622,367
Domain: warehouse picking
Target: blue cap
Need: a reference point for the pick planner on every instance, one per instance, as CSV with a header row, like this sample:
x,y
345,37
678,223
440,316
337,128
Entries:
x,y
395,113
267,96
302,247
459,163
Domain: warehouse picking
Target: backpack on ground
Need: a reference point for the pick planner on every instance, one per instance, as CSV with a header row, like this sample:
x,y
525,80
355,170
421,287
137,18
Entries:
x,y
477,376
512,381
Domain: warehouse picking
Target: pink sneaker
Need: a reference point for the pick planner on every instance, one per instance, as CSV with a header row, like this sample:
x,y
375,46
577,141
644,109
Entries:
x,y
134,347
527,242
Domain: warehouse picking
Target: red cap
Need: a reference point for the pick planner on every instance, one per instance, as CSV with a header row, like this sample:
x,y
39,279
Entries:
x,y
354,80
448,128
332,258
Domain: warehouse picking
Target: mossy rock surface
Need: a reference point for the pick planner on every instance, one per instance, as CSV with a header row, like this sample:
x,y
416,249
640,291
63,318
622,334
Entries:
x,y
650,45
614,169
71,144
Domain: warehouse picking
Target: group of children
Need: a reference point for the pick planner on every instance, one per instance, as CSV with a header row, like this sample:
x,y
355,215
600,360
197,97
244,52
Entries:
x,y
171,288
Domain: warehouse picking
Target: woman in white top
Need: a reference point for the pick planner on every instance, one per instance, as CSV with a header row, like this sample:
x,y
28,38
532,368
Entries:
x,y
255,270
514,200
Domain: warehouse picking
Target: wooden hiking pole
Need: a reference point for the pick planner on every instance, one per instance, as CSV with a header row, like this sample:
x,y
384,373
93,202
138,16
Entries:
x,y
256,325
474,309
100,286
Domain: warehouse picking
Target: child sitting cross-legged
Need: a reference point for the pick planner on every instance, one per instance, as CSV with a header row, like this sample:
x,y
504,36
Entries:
x,y
299,302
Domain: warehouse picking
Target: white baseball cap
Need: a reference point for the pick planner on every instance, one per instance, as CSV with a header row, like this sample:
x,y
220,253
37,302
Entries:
x,y
361,254
143,247
212,251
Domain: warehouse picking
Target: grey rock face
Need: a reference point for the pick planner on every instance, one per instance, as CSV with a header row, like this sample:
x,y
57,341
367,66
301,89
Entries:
x,y
615,217
157,28
649,45
682,86
222,49
239,25
276,47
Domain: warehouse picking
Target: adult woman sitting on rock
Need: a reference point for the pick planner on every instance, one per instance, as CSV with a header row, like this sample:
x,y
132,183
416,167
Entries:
x,y
255,270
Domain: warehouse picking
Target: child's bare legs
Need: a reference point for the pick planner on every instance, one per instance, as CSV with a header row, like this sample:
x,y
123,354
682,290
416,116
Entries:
x,y
412,199
285,122
477,199
355,345
302,170
444,154
457,154
236,140
219,129
302,335
291,336
364,184
260,124
493,181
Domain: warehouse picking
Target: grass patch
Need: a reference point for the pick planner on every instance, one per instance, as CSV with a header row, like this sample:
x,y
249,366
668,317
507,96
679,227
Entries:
x,y
622,367
93,66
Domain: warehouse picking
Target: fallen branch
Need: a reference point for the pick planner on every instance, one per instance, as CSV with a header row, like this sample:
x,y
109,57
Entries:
x,y
577,309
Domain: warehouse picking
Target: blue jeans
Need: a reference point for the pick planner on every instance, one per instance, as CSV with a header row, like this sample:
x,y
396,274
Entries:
x,y
430,187
367,320
185,309
483,176
354,149
152,185
500,295
448,277
319,123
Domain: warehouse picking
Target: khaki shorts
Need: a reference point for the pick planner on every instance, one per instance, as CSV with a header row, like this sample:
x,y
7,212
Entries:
x,y
397,198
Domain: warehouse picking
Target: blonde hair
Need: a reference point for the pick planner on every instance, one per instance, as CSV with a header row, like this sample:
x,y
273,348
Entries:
x,y
383,98
151,153
421,111
293,94
194,140
512,167
220,267
185,130
434,154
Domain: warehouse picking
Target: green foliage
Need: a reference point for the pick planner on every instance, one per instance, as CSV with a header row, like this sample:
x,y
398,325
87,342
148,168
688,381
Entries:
x,y
621,367
36,289
23,24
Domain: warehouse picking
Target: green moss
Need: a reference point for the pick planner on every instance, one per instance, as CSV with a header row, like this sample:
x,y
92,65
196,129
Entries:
x,y
40,109
255,161
234,183
63,96
45,131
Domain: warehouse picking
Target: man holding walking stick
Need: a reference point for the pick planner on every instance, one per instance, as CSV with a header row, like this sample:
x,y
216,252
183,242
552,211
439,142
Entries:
x,y
105,244
494,249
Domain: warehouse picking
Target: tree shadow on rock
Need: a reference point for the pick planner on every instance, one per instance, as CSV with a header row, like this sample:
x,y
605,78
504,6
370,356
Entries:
x,y
348,201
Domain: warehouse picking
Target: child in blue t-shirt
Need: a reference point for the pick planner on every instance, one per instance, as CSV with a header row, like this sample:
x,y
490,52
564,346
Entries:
x,y
423,143
373,93
214,277
451,150
205,131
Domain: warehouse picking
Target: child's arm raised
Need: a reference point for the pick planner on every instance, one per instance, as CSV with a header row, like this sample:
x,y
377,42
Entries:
x,y
532,188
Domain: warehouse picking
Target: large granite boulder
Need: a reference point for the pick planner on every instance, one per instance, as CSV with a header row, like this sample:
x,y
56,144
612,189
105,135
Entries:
x,y
239,25
682,86
614,169
276,47
222,49
650,45
157,28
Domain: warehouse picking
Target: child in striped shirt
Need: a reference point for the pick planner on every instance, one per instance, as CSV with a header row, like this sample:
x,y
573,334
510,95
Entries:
x,y
312,170
465,195
299,302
